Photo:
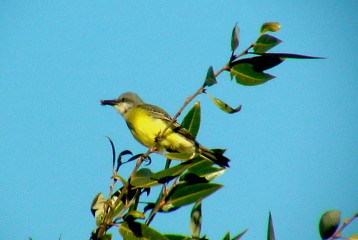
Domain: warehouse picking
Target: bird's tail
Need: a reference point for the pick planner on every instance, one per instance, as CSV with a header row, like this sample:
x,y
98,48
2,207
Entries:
x,y
215,155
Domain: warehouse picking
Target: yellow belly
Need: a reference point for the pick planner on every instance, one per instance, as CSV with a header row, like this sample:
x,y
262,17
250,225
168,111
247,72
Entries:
x,y
146,128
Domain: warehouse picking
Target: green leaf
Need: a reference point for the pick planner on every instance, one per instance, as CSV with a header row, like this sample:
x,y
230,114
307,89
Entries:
x,y
107,236
235,38
191,121
270,230
184,194
199,164
206,170
143,178
329,223
210,77
170,173
99,219
180,156
227,236
195,220
211,173
134,214
177,237
287,55
117,177
245,74
118,208
261,63
98,205
240,235
270,27
139,231
223,106
265,43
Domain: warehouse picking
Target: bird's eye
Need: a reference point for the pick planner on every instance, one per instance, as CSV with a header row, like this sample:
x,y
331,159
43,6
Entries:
x,y
124,100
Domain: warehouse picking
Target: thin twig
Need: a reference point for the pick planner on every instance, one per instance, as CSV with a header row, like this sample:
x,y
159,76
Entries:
x,y
160,200
108,219
338,233
187,101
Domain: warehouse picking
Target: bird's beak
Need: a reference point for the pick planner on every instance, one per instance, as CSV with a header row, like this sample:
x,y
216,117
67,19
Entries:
x,y
109,102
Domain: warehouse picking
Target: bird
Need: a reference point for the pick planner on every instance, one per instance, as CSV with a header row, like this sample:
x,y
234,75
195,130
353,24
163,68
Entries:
x,y
146,122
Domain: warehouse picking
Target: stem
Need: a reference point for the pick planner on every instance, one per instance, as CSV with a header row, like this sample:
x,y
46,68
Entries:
x,y
225,68
108,219
157,205
246,51
346,222
187,101
190,98
160,200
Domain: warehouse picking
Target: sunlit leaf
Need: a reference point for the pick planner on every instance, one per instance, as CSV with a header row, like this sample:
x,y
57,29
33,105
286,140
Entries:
x,y
118,208
206,170
235,38
195,220
117,177
211,173
170,173
329,223
143,178
210,77
270,27
133,214
139,231
223,106
270,230
265,43
191,121
98,203
200,164
184,194
180,156
245,74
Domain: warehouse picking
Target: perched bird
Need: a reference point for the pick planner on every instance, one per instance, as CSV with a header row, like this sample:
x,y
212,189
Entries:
x,y
146,121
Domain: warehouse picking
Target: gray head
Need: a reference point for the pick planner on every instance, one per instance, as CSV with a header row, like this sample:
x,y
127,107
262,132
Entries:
x,y
124,102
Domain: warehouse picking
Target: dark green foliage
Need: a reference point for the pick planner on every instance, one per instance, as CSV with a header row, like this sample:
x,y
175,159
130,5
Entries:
x,y
191,180
329,223
270,230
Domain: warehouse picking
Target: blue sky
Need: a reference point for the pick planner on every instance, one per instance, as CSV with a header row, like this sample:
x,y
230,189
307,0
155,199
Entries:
x,y
294,145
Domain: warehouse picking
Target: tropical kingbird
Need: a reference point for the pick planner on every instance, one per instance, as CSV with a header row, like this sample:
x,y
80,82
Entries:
x,y
147,121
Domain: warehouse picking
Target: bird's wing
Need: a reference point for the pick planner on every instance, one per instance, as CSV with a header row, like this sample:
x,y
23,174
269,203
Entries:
x,y
158,112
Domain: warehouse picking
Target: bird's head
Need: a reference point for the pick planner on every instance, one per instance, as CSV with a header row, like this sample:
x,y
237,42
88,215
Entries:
x,y
124,102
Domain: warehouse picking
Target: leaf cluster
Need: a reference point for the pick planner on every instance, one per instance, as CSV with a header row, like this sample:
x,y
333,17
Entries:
x,y
249,71
183,184
190,181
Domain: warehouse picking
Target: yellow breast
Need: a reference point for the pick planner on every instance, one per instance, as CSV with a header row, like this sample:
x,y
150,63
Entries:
x,y
145,129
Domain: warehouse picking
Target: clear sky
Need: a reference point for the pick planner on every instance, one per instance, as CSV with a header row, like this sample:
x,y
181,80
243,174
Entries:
x,y
294,145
